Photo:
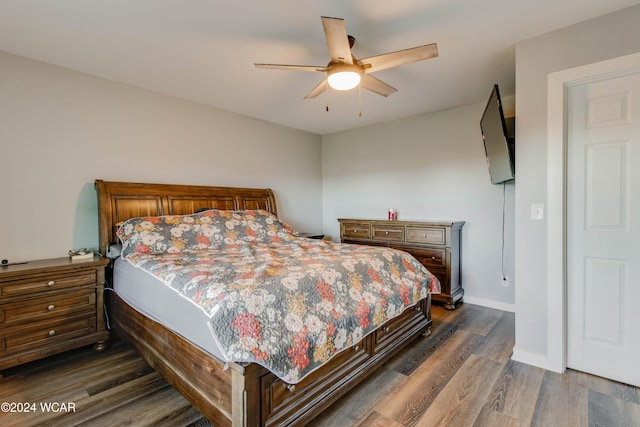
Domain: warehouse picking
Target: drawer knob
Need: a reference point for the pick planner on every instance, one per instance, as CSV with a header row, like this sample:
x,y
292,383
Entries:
x,y
290,387
355,230
433,258
51,307
51,283
385,329
52,332
355,348
417,308
386,232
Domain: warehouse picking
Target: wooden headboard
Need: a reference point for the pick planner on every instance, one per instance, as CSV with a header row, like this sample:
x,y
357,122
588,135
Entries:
x,y
119,201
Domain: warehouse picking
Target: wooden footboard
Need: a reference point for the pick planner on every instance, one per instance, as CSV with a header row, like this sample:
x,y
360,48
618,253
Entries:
x,y
247,394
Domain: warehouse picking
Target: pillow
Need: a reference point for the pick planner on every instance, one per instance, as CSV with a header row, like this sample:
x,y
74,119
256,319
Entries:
x,y
210,229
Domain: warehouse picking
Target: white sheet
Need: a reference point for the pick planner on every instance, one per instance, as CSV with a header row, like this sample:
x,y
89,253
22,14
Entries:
x,y
159,302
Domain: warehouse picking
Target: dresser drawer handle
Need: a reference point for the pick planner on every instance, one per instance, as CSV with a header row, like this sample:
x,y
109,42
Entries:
x,y
433,258
386,232
52,332
290,387
51,307
355,230
51,283
355,348
385,329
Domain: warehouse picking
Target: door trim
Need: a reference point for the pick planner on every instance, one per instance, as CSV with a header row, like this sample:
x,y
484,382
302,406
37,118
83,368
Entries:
x,y
557,84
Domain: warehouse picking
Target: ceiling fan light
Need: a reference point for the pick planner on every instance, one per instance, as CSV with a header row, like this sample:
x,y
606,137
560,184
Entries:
x,y
344,77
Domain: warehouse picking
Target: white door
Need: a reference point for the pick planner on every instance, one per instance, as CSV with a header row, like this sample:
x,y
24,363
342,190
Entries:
x,y
603,228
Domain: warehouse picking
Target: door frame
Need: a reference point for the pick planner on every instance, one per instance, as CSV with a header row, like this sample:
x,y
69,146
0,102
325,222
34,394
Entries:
x,y
557,131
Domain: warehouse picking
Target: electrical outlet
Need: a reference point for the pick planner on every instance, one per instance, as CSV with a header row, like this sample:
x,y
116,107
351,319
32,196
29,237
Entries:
x,y
505,282
537,211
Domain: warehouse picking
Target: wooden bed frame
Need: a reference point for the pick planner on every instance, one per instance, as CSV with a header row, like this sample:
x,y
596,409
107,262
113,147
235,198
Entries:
x,y
245,394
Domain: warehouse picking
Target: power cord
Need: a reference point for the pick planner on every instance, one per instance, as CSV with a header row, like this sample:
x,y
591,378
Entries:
x,y
504,187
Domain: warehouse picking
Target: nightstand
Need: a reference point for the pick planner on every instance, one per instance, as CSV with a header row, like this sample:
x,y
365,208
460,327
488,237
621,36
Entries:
x,y
312,236
50,306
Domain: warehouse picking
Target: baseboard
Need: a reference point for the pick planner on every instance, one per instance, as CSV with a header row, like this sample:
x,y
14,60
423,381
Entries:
x,y
490,304
534,359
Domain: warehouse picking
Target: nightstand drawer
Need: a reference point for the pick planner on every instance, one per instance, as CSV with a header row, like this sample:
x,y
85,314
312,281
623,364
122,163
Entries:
x,y
429,235
47,307
356,230
39,334
47,283
388,232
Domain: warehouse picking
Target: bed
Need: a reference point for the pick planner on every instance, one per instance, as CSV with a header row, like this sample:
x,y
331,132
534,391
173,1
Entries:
x,y
226,392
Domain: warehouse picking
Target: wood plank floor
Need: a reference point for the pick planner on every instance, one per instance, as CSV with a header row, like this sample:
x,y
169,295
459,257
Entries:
x,y
460,376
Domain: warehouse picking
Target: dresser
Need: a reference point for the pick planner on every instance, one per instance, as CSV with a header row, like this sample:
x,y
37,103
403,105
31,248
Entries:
x,y
50,306
435,244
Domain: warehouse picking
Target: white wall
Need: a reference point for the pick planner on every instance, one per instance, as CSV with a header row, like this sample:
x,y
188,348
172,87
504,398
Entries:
x,y
606,37
60,130
430,167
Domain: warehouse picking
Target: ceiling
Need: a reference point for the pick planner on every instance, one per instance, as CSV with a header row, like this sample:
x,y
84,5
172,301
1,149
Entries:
x,y
204,50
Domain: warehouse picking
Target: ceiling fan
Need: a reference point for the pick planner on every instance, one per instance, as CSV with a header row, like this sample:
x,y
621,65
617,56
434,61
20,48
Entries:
x,y
345,72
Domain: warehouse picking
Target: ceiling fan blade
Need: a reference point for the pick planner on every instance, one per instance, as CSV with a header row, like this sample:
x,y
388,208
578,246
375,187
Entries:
x,y
337,40
292,67
401,57
378,86
322,86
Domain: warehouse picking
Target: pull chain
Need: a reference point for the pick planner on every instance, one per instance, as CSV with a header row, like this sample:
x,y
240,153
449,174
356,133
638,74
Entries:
x,y
327,96
359,101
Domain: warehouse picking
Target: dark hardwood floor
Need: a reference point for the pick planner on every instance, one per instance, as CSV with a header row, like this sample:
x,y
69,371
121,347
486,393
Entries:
x,y
459,376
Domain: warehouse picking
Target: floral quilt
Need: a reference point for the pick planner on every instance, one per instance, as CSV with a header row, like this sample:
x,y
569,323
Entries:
x,y
274,298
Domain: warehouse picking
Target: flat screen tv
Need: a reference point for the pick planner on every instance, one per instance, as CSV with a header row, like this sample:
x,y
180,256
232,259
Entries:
x,y
498,135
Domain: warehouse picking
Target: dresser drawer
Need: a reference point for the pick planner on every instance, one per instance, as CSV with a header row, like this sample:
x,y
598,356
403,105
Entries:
x,y
45,333
356,230
441,275
48,306
388,232
429,257
47,282
429,235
